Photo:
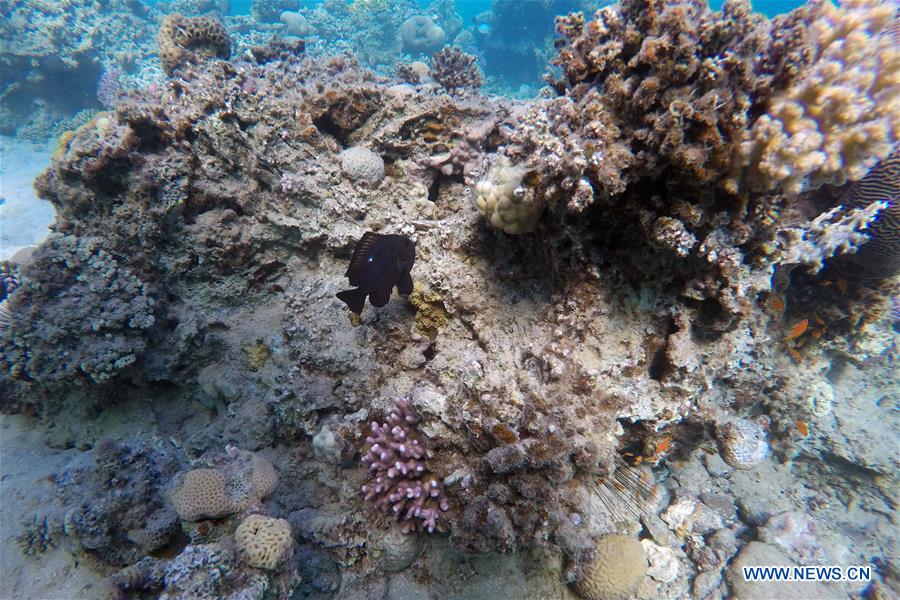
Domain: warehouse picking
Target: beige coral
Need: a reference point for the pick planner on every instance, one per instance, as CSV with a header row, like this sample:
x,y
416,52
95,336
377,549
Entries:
x,y
214,493
836,123
201,494
617,570
505,202
264,542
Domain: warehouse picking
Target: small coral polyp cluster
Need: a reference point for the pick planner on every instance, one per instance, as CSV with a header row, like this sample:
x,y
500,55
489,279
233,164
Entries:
x,y
400,481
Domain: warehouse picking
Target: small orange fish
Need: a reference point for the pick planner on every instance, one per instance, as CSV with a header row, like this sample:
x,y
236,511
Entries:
x,y
795,355
663,445
818,333
802,427
776,304
797,330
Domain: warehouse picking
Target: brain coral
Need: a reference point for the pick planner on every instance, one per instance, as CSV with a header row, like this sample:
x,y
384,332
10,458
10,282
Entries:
x,y
264,542
202,495
836,123
184,40
361,164
246,478
420,35
617,570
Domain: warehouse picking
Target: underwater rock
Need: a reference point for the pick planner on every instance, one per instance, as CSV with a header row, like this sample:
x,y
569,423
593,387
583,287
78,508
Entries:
x,y
296,23
759,554
795,533
395,550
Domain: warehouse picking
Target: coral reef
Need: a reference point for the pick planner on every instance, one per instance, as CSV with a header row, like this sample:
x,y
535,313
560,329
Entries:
x,y
455,70
504,201
270,11
84,317
395,549
400,481
191,40
743,443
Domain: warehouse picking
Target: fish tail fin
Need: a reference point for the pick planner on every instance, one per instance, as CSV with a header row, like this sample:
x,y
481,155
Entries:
x,y
354,299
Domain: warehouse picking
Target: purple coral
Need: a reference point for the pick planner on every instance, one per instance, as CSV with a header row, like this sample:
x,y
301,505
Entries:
x,y
400,482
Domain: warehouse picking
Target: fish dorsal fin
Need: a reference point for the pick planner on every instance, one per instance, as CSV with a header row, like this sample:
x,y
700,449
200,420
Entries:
x,y
362,250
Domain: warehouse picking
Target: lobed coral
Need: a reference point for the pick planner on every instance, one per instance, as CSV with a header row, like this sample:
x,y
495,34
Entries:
x,y
400,481
265,542
191,40
843,116
505,202
420,35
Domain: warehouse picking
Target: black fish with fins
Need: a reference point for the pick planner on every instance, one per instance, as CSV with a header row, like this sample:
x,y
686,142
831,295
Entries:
x,y
379,263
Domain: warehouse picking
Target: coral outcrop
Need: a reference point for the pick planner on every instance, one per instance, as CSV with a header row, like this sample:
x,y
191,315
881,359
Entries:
x,y
363,165
420,35
616,571
191,40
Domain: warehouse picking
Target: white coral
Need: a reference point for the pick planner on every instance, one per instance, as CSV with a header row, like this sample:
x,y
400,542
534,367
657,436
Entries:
x,y
361,164
505,202
832,232
837,122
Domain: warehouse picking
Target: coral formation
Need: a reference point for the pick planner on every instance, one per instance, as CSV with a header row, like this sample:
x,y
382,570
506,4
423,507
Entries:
x,y
296,24
269,11
505,202
85,317
616,571
455,70
191,40
264,542
837,121
401,483
245,478
361,164
420,35
395,549
743,443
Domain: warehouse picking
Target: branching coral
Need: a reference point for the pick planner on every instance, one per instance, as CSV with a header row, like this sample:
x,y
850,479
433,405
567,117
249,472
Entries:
x,y
455,70
843,116
400,481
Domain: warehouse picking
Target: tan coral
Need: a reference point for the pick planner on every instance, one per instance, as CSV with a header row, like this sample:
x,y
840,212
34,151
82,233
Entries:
x,y
504,202
264,542
263,476
185,40
836,123
617,570
201,494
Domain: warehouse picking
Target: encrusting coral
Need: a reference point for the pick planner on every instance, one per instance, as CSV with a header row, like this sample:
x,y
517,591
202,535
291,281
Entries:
x,y
184,40
400,481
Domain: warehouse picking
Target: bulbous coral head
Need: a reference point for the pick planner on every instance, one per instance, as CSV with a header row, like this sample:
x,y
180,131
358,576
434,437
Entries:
x,y
420,35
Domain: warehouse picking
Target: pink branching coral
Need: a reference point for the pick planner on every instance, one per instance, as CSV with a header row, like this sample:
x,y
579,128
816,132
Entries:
x,y
400,482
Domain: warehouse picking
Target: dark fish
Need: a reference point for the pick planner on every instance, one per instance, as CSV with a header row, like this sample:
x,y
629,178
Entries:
x,y
379,263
